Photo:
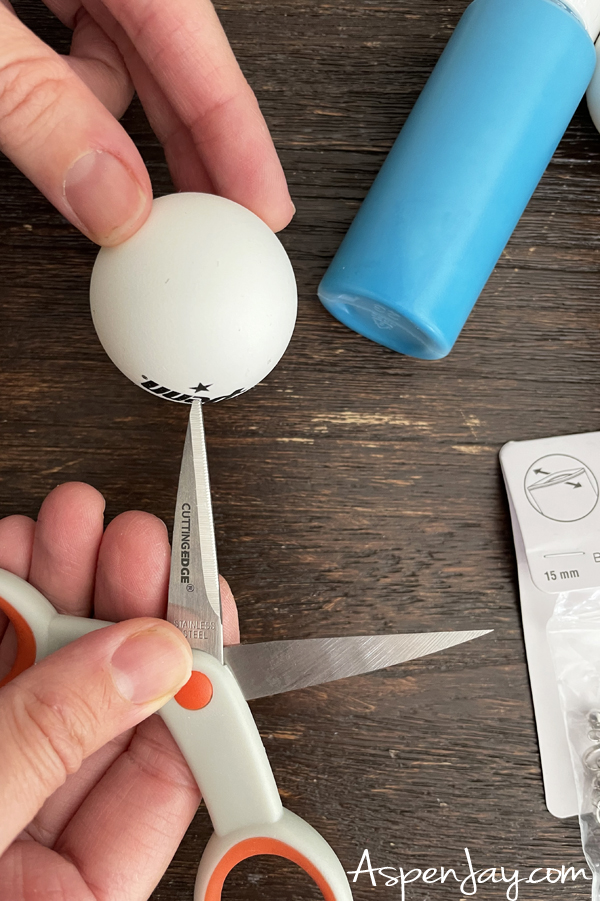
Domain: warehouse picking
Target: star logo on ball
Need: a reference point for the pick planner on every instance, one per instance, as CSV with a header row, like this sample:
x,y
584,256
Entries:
x,y
200,387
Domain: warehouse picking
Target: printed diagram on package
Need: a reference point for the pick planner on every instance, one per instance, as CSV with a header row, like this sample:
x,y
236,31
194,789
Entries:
x,y
561,488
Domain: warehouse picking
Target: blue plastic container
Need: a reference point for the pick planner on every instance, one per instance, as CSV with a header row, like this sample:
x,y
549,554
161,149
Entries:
x,y
460,174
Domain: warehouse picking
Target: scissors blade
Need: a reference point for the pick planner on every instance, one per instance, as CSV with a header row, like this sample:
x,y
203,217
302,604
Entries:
x,y
194,596
268,668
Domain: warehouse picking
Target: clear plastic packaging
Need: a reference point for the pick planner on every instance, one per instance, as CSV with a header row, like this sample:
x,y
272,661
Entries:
x,y
574,638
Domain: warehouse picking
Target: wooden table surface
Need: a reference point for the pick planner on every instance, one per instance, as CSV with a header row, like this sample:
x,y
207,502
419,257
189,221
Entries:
x,y
355,490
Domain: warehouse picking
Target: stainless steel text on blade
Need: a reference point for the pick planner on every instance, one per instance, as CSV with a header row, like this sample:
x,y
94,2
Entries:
x,y
271,667
194,600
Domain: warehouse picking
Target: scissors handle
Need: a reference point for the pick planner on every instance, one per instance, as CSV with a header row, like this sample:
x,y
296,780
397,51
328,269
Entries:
x,y
211,722
214,728
289,837
40,629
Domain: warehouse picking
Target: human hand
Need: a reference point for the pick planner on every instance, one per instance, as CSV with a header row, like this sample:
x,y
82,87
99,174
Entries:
x,y
58,115
94,797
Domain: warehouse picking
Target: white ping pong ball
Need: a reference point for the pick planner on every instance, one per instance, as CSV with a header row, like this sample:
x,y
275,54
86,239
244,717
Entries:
x,y
200,303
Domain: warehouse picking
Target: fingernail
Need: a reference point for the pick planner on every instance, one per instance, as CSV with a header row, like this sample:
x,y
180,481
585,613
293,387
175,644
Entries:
x,y
104,196
150,665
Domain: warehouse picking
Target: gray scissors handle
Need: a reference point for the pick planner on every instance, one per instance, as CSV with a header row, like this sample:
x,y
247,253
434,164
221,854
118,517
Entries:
x,y
214,728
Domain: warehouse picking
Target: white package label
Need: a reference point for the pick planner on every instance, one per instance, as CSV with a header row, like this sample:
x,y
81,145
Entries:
x,y
552,486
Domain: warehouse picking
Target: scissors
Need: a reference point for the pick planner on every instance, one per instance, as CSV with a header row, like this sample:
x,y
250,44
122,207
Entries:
x,y
209,717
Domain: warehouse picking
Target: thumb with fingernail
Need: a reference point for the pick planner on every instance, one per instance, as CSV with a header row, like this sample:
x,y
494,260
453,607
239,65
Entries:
x,y
59,134
60,711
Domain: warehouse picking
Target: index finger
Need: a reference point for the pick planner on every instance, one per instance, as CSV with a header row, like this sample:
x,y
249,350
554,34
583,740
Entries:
x,y
187,52
133,573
